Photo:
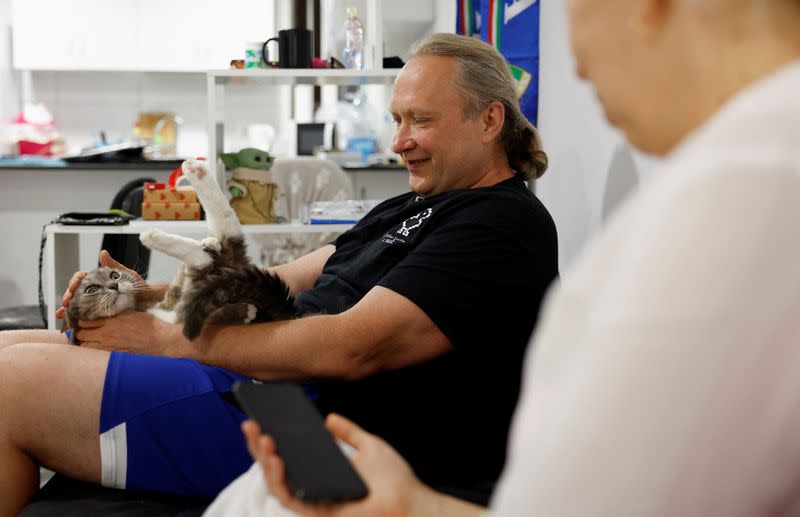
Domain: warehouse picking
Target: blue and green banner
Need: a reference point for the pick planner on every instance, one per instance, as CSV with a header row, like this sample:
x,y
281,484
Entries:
x,y
512,27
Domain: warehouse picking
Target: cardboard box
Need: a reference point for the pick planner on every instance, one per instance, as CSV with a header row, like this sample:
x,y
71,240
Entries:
x,y
185,211
161,193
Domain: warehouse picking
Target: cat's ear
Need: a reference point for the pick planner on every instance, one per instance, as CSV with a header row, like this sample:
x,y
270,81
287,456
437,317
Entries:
x,y
106,261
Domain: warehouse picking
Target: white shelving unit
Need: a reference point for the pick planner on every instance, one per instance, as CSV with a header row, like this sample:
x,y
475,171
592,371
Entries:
x,y
218,80
315,76
62,250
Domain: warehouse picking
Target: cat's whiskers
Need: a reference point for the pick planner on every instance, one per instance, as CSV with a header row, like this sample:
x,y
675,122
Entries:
x,y
138,264
107,303
137,283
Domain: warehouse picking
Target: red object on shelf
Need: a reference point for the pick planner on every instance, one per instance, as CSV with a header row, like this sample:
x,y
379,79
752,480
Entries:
x,y
34,130
154,186
32,148
178,172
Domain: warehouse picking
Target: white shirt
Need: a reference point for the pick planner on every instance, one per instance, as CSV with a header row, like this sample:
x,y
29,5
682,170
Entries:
x,y
664,378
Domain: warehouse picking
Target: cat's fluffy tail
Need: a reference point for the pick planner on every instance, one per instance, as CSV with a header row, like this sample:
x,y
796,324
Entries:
x,y
267,293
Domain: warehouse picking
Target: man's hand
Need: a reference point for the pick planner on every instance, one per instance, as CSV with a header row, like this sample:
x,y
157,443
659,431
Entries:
x,y
105,261
136,332
393,488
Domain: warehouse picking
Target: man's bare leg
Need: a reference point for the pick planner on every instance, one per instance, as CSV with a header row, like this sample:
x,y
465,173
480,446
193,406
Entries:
x,y
13,337
49,415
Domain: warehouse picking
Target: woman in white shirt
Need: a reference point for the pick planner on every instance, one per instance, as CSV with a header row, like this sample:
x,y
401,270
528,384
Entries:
x,y
664,378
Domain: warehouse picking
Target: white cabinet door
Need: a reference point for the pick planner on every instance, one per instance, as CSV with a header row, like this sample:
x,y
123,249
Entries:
x,y
174,35
74,35
235,24
197,35
145,35
29,42
106,32
41,37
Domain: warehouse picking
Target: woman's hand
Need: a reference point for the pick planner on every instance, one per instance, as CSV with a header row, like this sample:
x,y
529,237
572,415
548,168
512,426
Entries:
x,y
393,488
105,261
136,332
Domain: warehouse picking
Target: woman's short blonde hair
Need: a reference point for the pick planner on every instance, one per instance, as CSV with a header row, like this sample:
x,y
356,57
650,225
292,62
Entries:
x,y
482,77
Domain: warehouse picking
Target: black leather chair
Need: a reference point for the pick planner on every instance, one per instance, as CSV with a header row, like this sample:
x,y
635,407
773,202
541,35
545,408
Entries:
x,y
124,248
21,317
65,497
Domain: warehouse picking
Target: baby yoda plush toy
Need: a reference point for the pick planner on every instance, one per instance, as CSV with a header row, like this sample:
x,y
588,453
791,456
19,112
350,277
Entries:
x,y
253,190
249,157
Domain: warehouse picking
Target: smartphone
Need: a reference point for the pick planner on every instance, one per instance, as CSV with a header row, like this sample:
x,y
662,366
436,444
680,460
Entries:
x,y
317,470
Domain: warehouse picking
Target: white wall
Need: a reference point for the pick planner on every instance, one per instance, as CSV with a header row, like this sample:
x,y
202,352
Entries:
x,y
8,86
591,165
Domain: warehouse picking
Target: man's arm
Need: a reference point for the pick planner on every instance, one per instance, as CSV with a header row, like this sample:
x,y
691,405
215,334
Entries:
x,y
383,331
300,274
141,333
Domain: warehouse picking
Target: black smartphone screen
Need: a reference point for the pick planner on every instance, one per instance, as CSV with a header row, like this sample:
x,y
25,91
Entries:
x,y
316,469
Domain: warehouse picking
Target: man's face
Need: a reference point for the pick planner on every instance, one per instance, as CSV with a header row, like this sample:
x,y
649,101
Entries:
x,y
442,150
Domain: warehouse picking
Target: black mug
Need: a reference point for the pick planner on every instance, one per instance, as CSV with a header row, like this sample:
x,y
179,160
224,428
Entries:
x,y
295,48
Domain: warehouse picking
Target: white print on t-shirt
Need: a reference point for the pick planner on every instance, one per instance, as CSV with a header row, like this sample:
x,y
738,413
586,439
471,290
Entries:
x,y
404,230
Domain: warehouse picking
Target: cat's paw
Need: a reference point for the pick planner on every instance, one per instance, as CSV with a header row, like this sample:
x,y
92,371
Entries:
x,y
159,240
200,178
211,244
163,314
188,251
151,238
251,313
194,170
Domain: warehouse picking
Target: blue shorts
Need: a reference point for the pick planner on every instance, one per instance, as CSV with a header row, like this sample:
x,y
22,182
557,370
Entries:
x,y
165,426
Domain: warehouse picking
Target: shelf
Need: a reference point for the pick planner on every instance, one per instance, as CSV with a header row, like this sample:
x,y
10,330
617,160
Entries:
x,y
62,249
218,80
315,76
194,228
145,165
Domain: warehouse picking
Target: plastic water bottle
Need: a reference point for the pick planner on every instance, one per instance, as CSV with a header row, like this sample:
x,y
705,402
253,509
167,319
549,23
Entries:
x,y
353,56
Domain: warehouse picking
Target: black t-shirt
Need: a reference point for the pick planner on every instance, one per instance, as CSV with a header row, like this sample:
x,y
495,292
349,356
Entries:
x,y
477,262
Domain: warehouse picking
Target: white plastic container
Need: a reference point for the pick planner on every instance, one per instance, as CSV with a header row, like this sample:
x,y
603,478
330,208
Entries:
x,y
356,126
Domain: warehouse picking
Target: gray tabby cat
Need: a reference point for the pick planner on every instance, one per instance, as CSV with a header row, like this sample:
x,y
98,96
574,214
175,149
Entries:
x,y
216,283
105,292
